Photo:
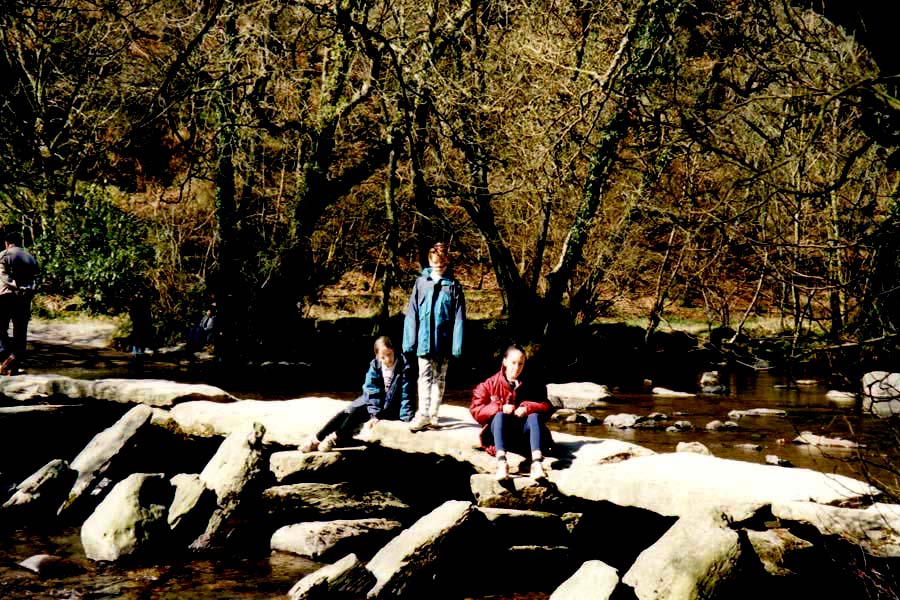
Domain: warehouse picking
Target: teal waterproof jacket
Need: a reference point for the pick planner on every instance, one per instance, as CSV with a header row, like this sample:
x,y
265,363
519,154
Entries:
x,y
435,317
395,402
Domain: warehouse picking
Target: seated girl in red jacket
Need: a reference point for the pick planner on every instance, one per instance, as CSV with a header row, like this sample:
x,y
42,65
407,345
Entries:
x,y
388,393
513,414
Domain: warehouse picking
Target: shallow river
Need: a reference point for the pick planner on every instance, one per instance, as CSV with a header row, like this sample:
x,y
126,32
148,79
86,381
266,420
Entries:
x,y
272,576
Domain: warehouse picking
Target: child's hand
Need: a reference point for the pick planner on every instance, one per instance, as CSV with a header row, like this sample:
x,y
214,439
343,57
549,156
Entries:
x,y
508,409
520,411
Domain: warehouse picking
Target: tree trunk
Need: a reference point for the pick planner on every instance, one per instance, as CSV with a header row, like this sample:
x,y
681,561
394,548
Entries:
x,y
225,283
602,161
393,238
541,245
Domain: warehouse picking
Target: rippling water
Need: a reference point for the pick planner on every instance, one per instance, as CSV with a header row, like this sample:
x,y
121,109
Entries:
x,y
222,577
807,410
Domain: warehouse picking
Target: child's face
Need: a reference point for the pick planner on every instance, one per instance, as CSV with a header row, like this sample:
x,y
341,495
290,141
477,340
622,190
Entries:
x,y
437,263
513,364
385,356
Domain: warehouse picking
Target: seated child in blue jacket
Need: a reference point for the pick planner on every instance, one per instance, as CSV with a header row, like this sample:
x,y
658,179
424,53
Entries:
x,y
388,393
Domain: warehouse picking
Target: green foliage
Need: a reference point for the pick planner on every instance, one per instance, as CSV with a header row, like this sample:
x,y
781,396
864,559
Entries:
x,y
95,250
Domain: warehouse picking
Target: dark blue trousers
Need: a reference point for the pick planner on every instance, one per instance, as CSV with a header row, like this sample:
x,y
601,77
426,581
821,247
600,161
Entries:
x,y
516,434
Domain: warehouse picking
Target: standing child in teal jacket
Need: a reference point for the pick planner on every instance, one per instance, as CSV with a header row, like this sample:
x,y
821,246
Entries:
x,y
433,331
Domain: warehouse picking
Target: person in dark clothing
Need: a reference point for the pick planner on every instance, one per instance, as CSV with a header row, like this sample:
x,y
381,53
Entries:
x,y
204,333
141,316
513,414
387,394
18,278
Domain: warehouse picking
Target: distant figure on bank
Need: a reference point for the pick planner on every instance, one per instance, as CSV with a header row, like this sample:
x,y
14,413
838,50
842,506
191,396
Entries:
x,y
433,331
513,414
18,277
141,316
204,332
387,394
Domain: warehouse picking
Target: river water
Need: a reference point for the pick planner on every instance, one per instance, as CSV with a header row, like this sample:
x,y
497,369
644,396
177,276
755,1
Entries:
x,y
272,576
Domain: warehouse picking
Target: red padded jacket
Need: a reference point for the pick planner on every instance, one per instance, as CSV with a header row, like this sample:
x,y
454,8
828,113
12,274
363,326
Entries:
x,y
491,394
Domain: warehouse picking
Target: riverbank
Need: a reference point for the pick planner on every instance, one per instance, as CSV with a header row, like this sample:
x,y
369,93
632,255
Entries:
x,y
615,353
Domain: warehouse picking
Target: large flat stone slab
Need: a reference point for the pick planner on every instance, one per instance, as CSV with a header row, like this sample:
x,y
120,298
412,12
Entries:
x,y
287,422
156,392
293,465
670,484
678,484
326,540
326,501
577,395
457,438
152,392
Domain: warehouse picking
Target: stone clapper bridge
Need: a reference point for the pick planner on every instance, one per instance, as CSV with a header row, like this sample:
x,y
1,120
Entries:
x,y
406,515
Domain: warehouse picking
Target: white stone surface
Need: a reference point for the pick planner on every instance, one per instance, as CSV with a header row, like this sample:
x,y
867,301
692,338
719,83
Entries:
x,y
317,540
695,447
693,558
128,520
875,528
104,448
594,580
676,484
667,393
772,546
237,461
576,395
347,578
287,422
152,392
406,563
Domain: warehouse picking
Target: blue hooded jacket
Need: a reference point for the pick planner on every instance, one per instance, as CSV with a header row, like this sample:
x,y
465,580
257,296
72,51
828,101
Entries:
x,y
393,403
434,321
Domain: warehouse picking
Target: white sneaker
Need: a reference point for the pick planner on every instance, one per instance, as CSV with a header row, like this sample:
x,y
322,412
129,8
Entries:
x,y
433,422
537,470
502,470
327,445
311,444
419,423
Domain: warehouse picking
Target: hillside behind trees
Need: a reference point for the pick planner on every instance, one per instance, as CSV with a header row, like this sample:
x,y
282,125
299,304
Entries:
x,y
736,155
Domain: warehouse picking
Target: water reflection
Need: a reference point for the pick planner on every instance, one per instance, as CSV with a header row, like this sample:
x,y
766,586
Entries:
x,y
185,578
